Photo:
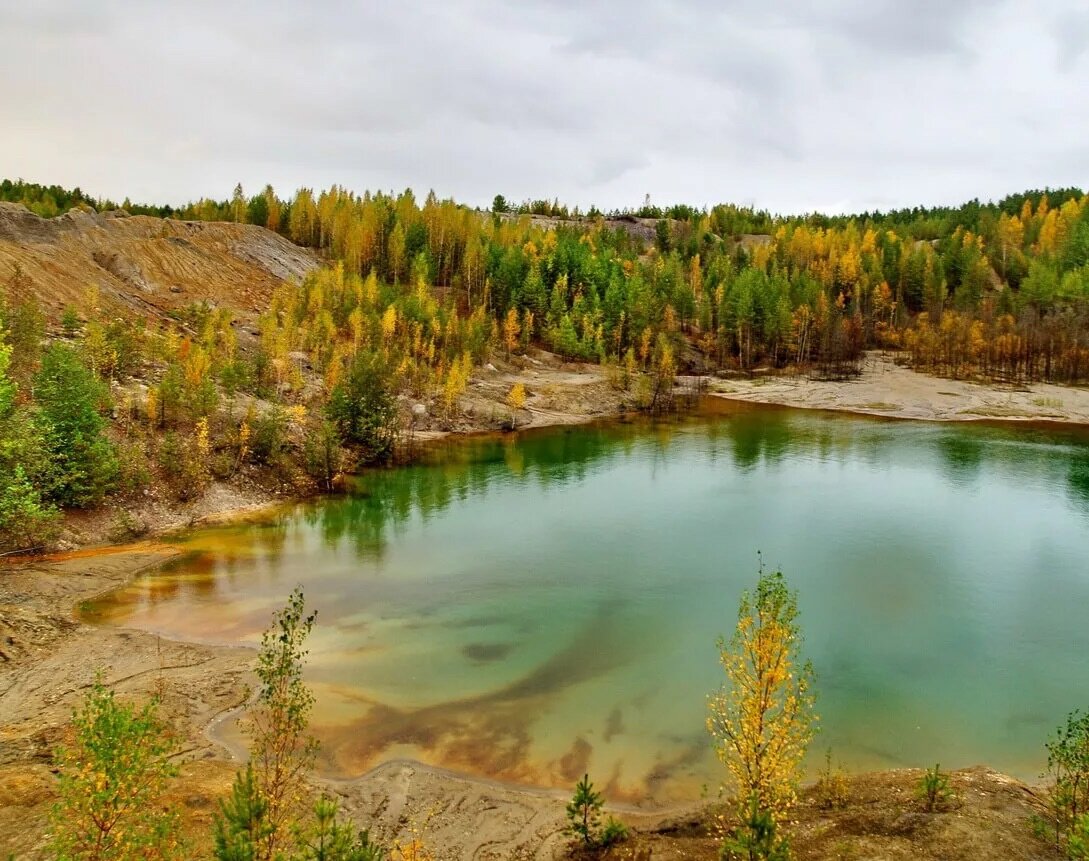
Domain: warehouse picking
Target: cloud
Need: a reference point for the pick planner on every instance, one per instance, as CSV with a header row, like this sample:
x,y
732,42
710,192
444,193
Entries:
x,y
849,103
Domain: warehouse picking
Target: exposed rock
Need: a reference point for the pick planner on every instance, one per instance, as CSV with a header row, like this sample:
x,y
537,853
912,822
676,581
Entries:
x,y
141,265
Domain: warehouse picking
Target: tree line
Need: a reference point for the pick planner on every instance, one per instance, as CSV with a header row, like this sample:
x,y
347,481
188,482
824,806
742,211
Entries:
x,y
417,294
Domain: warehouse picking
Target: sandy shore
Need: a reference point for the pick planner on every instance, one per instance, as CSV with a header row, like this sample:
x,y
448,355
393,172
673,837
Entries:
x,y
887,389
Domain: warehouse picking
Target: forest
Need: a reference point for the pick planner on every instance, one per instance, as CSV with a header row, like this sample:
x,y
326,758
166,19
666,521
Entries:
x,y
418,294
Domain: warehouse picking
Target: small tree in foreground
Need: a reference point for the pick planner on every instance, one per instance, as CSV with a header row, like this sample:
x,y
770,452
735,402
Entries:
x,y
1068,768
933,788
282,750
584,811
113,775
584,817
327,839
241,824
762,718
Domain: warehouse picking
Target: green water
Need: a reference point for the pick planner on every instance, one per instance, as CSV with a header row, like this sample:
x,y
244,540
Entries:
x,y
532,607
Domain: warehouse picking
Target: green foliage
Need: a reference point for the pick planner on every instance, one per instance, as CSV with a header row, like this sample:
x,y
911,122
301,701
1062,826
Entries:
x,y
269,435
322,456
614,831
933,788
84,464
584,812
241,825
281,749
757,838
113,775
70,321
1077,844
326,839
1068,768
831,789
363,410
26,522
25,325
183,466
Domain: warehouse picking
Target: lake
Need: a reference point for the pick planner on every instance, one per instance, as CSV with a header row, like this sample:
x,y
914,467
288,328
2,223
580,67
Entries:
x,y
532,606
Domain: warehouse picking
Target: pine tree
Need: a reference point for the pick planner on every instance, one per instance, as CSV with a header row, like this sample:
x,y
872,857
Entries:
x,y
241,825
584,811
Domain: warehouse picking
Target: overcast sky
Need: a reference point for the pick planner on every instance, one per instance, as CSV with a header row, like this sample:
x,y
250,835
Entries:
x,y
792,106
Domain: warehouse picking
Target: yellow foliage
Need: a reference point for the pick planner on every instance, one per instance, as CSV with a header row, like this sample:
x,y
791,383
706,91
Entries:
x,y
516,397
762,718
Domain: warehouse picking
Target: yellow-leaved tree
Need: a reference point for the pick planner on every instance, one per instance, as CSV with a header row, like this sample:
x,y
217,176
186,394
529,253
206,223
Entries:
x,y
516,400
762,719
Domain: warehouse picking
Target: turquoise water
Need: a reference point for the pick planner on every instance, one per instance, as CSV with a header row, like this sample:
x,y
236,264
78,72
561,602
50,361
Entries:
x,y
531,607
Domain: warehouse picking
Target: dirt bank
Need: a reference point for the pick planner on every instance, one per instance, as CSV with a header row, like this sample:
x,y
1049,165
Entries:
x,y
143,267
887,389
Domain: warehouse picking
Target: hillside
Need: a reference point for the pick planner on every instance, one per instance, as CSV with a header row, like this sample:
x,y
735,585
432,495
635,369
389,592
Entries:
x,y
142,265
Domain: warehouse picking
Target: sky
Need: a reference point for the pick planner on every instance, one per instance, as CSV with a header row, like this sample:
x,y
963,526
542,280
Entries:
x,y
791,106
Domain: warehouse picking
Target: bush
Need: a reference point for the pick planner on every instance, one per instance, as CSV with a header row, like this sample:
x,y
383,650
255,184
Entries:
x,y
831,790
363,410
326,839
184,466
757,839
113,777
25,521
1068,767
268,436
762,718
322,456
933,788
614,832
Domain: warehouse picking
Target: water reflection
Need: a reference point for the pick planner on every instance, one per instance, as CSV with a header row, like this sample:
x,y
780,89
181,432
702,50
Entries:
x,y
533,606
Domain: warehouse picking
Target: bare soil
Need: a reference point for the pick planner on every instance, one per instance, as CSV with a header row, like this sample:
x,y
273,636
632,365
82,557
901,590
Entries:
x,y
143,267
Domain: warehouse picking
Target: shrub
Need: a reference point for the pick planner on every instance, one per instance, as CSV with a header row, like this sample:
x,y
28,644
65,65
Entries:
x,y
184,466
322,456
70,321
268,436
84,464
363,410
1068,767
240,825
757,838
831,789
613,832
326,839
113,776
933,788
25,521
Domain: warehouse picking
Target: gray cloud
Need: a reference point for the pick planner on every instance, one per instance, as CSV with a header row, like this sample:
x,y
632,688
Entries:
x,y
847,104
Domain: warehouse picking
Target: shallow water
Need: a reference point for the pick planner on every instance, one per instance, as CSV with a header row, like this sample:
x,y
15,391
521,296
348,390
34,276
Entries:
x,y
532,607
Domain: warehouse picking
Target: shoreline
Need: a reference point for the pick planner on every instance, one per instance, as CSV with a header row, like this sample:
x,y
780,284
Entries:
x,y
48,657
885,389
